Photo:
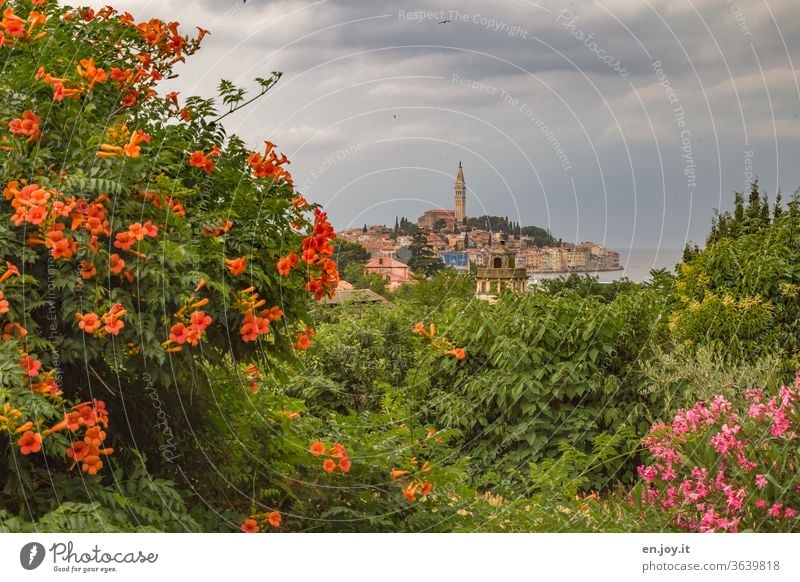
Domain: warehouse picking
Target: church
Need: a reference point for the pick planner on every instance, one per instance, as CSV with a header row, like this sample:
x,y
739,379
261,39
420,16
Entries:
x,y
500,271
449,218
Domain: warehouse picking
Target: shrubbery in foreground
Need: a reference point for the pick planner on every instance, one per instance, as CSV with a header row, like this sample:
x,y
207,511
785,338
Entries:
x,y
722,467
146,254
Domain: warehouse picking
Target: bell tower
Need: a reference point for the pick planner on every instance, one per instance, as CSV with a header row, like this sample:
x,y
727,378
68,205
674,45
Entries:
x,y
501,273
461,197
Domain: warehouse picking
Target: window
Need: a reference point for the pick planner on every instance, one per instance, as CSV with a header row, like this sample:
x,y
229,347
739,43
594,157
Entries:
x,y
498,262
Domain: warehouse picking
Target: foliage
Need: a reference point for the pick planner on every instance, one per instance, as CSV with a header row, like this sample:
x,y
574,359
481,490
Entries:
x,y
542,369
569,472
727,466
146,250
541,237
404,227
751,218
585,285
428,296
356,360
423,259
741,291
360,278
346,253
137,502
683,375
371,495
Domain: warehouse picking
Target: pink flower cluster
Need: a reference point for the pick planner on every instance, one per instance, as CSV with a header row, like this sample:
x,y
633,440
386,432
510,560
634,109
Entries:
x,y
776,409
719,469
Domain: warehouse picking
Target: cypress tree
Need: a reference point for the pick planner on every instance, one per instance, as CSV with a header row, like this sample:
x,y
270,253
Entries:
x,y
777,210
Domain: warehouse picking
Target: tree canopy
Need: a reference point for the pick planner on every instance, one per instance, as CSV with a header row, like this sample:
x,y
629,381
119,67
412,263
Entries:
x,y
423,258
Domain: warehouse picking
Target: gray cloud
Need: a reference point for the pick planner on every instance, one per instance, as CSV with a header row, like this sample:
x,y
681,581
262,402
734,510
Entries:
x,y
377,107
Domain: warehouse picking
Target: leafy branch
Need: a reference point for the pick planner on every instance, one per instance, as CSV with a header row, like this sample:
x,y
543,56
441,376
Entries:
x,y
234,96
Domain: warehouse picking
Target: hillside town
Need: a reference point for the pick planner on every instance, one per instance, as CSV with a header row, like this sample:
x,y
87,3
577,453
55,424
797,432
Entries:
x,y
463,243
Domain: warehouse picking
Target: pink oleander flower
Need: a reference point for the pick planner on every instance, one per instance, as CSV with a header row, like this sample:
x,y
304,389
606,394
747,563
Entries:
x,y
668,473
734,498
725,440
663,451
671,498
719,482
709,521
780,423
648,473
714,522
720,405
699,473
691,475
757,411
694,490
753,395
693,419
744,463
786,396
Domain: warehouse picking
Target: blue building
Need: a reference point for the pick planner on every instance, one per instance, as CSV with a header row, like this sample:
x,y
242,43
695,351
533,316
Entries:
x,y
458,261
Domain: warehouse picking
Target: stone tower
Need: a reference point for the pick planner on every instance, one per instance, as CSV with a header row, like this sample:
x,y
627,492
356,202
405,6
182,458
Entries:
x,y
461,197
500,274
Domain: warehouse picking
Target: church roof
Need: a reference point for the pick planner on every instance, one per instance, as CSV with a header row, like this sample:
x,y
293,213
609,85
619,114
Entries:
x,y
438,212
460,175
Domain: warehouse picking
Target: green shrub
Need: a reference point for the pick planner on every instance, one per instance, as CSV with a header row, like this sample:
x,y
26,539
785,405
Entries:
x,y
742,290
542,369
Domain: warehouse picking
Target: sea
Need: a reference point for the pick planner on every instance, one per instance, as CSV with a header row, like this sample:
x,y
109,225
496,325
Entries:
x,y
636,262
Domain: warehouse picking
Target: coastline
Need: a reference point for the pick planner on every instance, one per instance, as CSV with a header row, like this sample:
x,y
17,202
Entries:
x,y
635,265
577,271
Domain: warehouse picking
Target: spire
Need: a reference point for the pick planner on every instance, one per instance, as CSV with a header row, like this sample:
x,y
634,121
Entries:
x,y
461,197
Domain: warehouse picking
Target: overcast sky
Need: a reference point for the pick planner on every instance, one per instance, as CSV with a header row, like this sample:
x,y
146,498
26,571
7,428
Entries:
x,y
559,111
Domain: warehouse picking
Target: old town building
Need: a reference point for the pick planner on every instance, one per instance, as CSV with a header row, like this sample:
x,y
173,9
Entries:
x,y
449,218
394,271
500,273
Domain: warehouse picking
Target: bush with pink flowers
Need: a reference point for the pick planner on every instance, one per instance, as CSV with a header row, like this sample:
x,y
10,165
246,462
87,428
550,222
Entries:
x,y
723,467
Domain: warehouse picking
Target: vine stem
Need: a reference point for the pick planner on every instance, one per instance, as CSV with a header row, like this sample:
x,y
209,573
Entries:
x,y
244,104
